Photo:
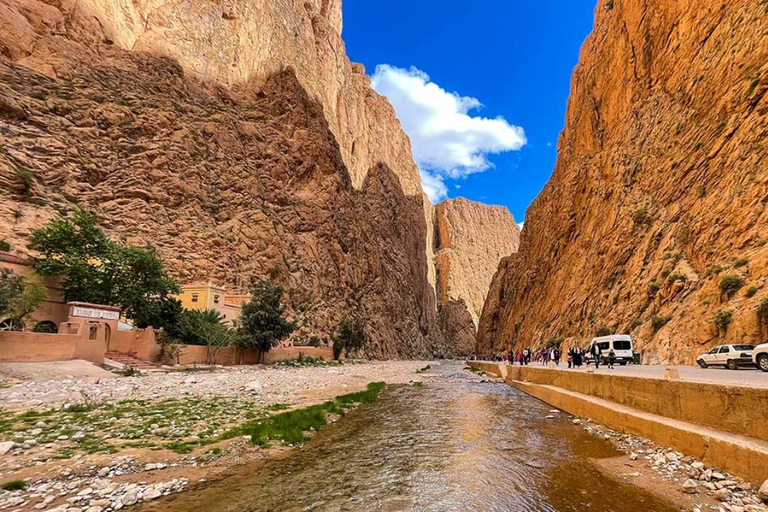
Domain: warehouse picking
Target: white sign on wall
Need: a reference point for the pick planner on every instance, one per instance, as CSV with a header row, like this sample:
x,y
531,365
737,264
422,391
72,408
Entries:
x,y
95,313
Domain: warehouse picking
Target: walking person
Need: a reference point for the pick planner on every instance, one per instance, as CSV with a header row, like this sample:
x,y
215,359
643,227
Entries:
x,y
527,356
557,355
570,357
597,354
611,358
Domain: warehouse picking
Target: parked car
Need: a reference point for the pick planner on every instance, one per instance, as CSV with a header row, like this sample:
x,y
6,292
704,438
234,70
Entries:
x,y
760,356
621,345
729,356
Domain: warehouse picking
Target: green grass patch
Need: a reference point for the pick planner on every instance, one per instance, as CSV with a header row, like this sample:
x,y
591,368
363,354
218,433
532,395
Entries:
x,y
478,371
14,485
292,427
278,407
181,448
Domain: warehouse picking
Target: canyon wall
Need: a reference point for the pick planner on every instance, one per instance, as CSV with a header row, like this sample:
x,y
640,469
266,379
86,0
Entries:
x,y
234,136
654,221
470,240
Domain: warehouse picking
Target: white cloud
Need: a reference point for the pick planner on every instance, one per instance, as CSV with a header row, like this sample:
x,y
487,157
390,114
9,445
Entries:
x,y
447,141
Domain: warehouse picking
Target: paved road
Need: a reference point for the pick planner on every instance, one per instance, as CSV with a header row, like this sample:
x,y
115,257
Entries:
x,y
747,377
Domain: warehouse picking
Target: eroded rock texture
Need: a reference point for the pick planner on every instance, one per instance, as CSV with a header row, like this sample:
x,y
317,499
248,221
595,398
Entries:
x,y
660,179
471,239
233,168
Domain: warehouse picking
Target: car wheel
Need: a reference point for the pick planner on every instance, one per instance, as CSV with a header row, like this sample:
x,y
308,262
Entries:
x,y
623,363
702,363
762,362
731,364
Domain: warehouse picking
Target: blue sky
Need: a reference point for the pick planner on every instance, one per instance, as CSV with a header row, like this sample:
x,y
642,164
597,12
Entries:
x,y
509,63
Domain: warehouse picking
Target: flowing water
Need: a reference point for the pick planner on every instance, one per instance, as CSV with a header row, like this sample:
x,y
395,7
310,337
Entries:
x,y
452,445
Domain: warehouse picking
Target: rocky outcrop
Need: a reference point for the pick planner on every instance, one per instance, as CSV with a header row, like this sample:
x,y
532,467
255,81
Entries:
x,y
470,240
658,193
261,166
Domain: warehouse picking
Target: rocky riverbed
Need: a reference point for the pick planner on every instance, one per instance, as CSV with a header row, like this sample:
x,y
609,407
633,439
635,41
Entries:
x,y
102,444
679,476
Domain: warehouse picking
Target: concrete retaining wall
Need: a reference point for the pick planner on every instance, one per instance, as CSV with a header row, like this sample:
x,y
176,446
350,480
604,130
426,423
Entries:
x,y
738,410
724,426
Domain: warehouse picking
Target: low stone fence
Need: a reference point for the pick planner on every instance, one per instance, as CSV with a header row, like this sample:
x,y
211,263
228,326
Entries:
x,y
230,356
34,347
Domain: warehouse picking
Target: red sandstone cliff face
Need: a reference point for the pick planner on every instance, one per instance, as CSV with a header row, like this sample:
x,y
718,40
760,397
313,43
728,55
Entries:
x,y
659,181
230,178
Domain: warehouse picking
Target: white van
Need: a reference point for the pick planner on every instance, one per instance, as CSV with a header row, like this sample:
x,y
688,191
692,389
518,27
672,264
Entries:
x,y
621,345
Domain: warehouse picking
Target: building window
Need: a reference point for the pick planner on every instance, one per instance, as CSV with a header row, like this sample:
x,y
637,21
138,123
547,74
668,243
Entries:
x,y
215,299
194,297
94,333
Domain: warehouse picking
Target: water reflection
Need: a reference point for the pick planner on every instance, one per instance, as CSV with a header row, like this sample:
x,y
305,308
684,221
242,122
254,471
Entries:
x,y
453,445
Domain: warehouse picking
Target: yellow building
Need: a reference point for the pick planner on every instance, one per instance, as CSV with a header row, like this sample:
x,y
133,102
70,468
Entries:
x,y
200,297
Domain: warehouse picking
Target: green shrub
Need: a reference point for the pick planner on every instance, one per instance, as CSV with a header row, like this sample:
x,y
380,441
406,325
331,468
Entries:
x,y
4,246
713,271
723,320
653,289
730,284
740,262
14,485
762,312
603,331
751,291
634,324
555,341
676,276
657,322
25,178
641,217
701,191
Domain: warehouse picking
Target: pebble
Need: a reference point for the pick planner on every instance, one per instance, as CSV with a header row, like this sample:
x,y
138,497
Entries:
x,y
762,493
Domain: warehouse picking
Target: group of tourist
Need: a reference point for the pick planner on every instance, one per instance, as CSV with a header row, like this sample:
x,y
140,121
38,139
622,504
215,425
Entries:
x,y
576,356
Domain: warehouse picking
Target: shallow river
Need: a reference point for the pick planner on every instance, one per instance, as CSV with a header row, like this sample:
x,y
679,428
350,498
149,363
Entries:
x,y
452,445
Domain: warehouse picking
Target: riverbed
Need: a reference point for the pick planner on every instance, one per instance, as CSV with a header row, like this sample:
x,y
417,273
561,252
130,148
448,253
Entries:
x,y
454,443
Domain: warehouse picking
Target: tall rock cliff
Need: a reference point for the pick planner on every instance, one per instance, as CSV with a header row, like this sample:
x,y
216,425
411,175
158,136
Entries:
x,y
470,240
236,137
658,199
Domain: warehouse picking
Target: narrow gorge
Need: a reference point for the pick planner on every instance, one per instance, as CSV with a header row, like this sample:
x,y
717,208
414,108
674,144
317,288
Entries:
x,y
654,221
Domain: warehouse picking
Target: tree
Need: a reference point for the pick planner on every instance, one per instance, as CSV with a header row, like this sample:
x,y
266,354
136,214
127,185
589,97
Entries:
x,y
215,336
162,314
262,321
349,337
19,298
97,270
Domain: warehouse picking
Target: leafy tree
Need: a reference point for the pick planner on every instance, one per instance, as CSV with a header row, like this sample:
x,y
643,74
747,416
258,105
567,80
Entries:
x,y
262,321
215,336
349,337
161,314
19,297
95,269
